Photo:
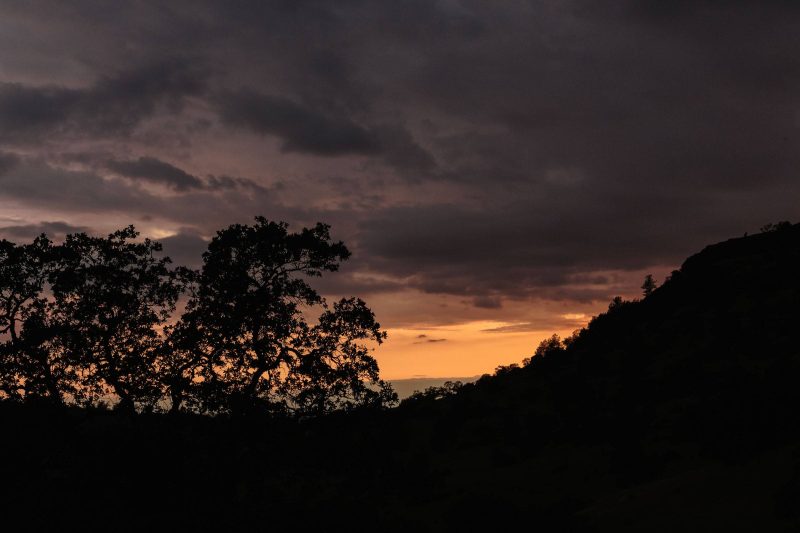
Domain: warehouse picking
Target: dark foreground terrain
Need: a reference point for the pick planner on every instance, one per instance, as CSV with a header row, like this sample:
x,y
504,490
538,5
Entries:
x,y
676,412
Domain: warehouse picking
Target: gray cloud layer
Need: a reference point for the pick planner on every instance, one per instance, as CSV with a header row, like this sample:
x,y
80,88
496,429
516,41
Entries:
x,y
156,171
485,149
113,105
56,229
301,129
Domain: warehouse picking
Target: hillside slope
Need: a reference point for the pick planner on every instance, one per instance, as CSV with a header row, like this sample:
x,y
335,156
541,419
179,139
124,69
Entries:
x,y
676,411
689,391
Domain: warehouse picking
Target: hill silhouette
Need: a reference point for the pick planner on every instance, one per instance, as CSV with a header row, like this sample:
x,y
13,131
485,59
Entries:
x,y
678,410
406,387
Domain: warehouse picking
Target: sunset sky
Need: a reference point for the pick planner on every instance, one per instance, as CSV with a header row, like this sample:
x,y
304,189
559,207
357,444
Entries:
x,y
500,170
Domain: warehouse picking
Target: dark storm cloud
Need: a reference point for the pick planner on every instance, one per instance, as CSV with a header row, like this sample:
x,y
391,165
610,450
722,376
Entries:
x,y
490,150
670,11
307,130
43,185
160,172
514,251
156,171
29,109
113,105
301,129
54,230
401,151
221,183
36,183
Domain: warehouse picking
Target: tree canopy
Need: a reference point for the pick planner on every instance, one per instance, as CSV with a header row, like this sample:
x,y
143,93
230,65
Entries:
x,y
93,319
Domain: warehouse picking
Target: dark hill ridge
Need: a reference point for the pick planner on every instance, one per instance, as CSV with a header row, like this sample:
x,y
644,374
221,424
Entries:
x,y
701,375
678,411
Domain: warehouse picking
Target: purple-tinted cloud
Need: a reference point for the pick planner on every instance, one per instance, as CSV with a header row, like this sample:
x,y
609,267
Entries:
x,y
489,151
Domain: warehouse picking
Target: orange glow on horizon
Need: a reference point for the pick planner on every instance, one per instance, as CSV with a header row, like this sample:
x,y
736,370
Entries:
x,y
460,350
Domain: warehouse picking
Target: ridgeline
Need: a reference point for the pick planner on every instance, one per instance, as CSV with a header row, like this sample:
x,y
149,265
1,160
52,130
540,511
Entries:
x,y
674,412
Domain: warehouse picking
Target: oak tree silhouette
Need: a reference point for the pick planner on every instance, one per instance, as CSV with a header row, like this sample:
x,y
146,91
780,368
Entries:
x,y
92,320
33,364
244,343
112,295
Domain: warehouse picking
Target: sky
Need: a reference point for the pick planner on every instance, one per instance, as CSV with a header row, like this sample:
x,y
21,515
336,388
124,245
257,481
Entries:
x,y
500,170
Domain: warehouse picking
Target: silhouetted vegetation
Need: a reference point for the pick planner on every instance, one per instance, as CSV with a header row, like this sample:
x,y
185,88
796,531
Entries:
x,y
88,321
776,226
649,285
677,411
448,388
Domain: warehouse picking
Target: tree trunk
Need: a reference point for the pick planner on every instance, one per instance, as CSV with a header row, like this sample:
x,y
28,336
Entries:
x,y
176,396
51,383
126,405
248,395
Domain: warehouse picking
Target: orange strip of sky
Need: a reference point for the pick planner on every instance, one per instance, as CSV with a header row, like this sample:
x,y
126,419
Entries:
x,y
469,350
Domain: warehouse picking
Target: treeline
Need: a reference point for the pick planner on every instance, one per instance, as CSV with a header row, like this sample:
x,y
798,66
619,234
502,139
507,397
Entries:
x,y
94,319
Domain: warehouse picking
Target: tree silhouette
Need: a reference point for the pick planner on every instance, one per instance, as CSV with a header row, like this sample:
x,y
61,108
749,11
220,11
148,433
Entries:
x,y
548,347
433,393
244,344
649,285
33,364
782,225
90,321
111,297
